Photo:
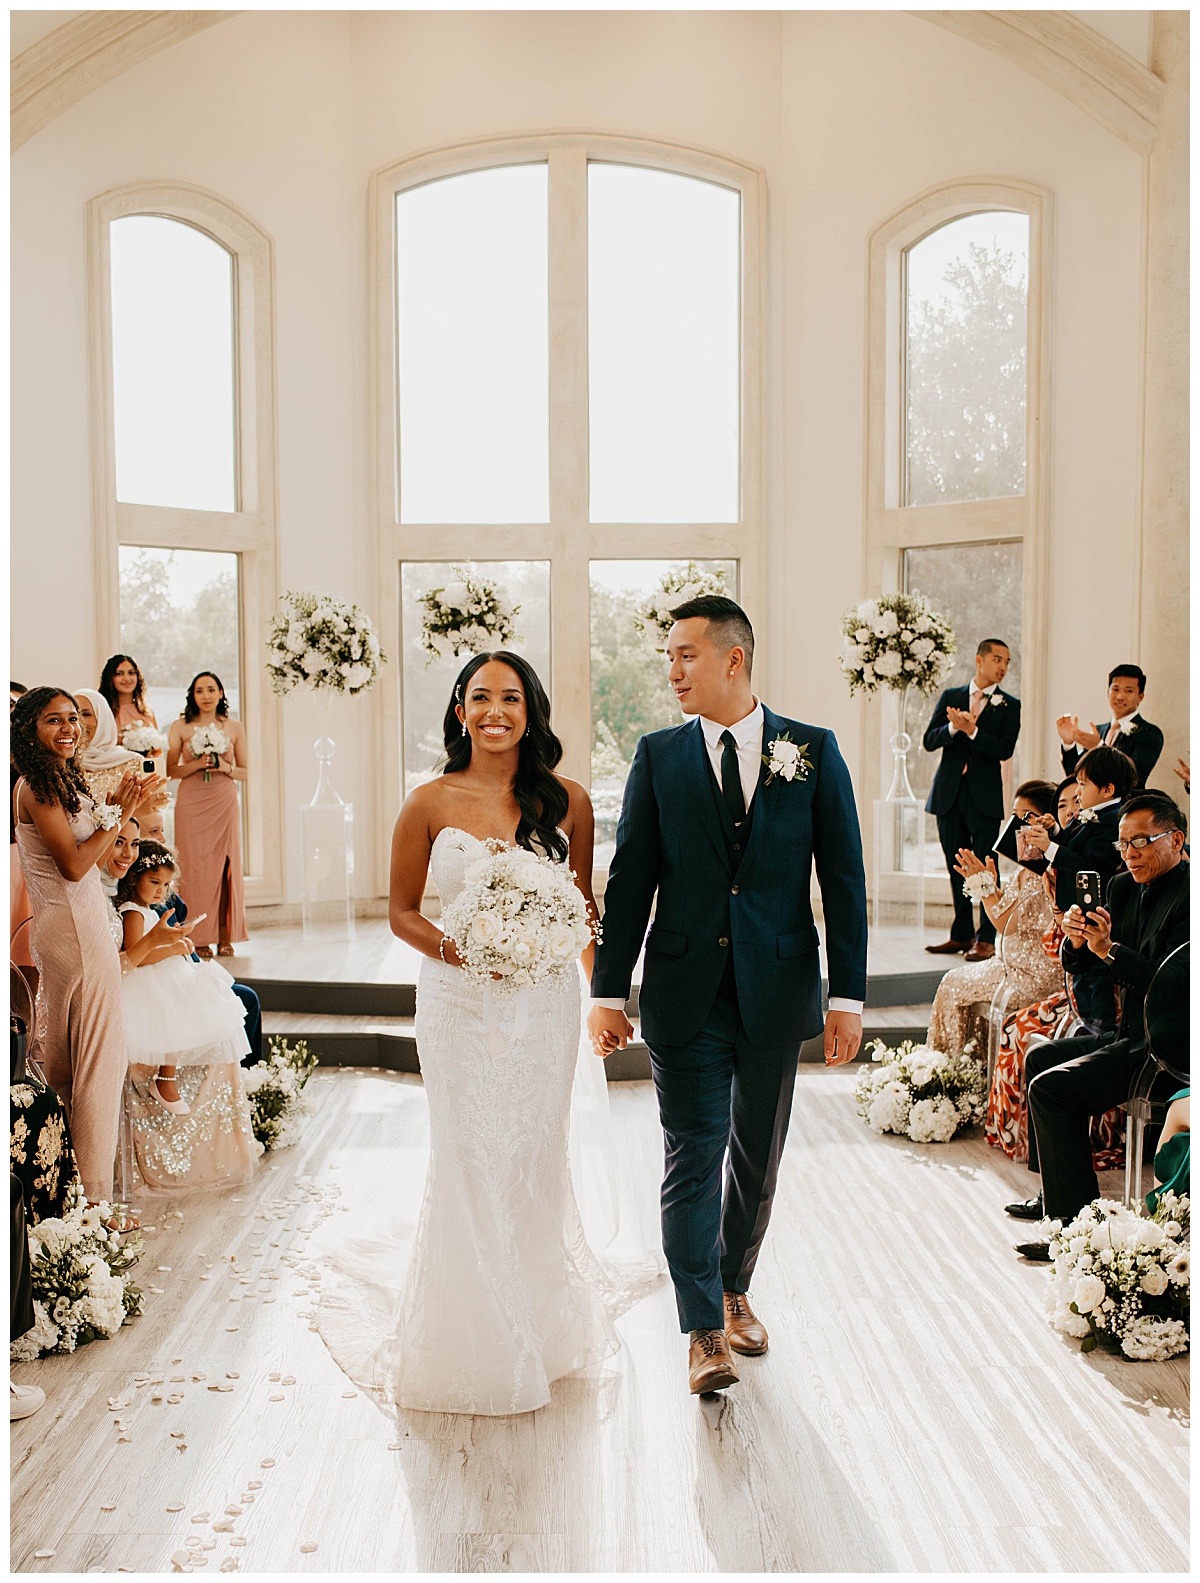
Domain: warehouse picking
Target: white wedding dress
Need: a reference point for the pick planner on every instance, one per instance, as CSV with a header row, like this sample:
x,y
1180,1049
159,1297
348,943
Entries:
x,y
502,1293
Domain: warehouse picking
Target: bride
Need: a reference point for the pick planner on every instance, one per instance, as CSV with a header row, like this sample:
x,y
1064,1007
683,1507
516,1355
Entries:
x,y
502,1293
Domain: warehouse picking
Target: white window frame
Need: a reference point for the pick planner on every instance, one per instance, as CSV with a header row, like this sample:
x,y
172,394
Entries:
x,y
890,527
570,540
250,532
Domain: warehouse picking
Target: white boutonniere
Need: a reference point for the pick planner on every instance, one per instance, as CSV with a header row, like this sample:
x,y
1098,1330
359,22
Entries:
x,y
998,700
787,760
1127,726
1086,815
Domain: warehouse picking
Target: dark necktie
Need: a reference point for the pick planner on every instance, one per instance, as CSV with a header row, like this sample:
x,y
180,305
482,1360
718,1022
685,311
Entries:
x,y
731,778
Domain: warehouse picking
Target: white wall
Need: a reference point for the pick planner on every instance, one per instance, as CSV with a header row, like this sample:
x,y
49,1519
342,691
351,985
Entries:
x,y
850,114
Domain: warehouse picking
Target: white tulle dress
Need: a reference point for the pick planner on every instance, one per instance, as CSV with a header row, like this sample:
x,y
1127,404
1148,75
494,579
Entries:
x,y
499,1294
179,1012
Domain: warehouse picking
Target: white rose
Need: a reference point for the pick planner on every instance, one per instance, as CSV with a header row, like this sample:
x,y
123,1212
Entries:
x,y
455,595
862,635
922,648
357,676
296,641
312,662
1149,1234
522,950
1154,1283
485,929
785,752
1089,1292
922,624
888,664
868,610
886,626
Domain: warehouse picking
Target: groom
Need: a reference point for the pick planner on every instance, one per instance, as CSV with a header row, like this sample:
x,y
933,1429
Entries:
x,y
731,985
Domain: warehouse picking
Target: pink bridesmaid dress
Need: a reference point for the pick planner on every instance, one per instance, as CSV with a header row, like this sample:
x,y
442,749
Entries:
x,y
208,842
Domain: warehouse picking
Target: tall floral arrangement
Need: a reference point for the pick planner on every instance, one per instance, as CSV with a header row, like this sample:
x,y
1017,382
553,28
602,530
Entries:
x,y
896,641
921,1093
324,643
82,1289
653,618
466,616
275,1088
1122,1278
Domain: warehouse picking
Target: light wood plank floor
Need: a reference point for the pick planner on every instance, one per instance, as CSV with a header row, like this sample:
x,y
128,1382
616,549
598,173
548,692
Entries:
x,y
915,1412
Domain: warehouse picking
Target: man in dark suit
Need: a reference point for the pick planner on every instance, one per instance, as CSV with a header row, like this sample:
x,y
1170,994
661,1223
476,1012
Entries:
x,y
1070,1080
1105,777
1126,729
976,729
722,820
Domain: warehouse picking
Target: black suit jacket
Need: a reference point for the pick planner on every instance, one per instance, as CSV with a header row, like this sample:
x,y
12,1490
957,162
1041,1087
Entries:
x,y
1144,746
1141,944
670,841
995,738
1086,844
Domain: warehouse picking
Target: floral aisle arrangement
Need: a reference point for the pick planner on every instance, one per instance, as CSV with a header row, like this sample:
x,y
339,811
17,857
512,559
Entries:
x,y
654,620
1123,1278
896,641
518,915
466,616
324,643
143,739
275,1088
921,1093
81,1286
208,742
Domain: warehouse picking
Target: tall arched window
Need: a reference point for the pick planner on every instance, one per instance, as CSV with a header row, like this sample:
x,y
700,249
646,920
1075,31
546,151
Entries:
x,y
184,465
567,334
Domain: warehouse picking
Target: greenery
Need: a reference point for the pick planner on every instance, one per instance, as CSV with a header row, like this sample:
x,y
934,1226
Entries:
x,y
170,643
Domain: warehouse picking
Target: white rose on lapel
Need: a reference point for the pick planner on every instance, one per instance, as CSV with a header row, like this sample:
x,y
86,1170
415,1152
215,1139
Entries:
x,y
997,701
1086,815
787,760
1127,726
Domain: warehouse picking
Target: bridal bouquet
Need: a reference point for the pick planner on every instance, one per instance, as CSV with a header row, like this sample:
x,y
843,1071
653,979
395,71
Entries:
x,y
208,742
895,641
520,916
275,1089
654,620
324,643
921,1093
466,616
1123,1278
143,740
81,1288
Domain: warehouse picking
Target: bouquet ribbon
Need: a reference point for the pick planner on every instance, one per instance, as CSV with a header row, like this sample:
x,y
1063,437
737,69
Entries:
x,y
491,1022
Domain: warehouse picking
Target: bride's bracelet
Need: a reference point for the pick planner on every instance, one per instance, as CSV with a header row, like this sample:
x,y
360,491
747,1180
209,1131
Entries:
x,y
442,949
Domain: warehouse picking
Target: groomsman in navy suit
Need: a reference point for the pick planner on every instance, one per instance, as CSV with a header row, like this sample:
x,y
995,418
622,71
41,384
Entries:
x,y
1126,730
975,728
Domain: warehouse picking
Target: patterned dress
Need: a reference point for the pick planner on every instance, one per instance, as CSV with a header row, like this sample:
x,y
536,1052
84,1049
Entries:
x,y
40,1153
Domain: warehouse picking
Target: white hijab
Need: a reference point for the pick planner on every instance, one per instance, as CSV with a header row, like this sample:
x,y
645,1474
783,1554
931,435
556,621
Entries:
x,y
103,753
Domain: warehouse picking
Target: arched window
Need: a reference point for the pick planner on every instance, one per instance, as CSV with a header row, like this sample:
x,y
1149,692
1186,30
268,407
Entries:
x,y
568,402
184,465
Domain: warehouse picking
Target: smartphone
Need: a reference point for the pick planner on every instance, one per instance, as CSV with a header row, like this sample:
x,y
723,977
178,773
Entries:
x,y
148,769
1087,890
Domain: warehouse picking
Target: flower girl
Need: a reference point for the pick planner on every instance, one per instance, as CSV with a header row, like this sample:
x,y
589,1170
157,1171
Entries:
x,y
178,1011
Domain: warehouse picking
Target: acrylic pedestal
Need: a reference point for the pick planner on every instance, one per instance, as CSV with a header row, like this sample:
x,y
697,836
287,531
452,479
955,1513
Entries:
x,y
327,835
902,871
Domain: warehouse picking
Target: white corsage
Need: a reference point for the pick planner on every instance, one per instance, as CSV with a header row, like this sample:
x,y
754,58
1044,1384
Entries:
x,y
108,815
980,885
787,760
1086,815
143,740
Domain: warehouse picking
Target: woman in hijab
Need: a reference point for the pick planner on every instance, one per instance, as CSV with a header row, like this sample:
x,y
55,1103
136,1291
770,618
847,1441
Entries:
x,y
100,756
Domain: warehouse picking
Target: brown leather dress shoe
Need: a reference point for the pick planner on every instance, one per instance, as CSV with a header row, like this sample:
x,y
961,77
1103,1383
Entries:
x,y
710,1363
980,952
747,1333
949,948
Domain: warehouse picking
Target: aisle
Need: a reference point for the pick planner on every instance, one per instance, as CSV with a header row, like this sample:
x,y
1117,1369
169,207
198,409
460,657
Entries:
x,y
915,1412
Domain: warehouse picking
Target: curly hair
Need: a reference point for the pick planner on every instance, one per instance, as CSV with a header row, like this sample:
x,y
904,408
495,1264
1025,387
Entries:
x,y
151,855
191,709
108,686
541,796
50,779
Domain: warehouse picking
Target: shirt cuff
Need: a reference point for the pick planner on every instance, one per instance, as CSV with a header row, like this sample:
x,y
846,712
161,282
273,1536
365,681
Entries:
x,y
953,730
1051,850
608,1003
840,1003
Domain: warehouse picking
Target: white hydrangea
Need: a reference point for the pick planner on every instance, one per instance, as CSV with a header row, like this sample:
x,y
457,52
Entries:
x,y
933,1120
1152,1339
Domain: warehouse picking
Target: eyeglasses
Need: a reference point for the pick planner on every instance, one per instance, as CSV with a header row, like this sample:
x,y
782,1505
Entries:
x,y
1138,842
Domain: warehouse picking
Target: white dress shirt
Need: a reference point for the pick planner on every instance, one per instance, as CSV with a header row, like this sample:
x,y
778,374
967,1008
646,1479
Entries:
x,y
1096,807
987,693
748,737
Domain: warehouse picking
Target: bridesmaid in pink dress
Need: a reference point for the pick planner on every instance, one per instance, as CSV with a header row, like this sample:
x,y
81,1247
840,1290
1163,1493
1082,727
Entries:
x,y
81,1037
208,820
123,688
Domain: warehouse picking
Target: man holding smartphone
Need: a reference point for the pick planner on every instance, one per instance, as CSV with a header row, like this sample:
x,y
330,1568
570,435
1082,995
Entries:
x,y
1146,916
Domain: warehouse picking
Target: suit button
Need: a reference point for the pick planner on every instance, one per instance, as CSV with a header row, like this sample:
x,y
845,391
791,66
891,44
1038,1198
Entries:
x,y
724,940
734,890
737,846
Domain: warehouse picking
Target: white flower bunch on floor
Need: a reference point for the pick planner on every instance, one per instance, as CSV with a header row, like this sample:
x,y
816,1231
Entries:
x,y
921,1093
896,641
81,1289
276,1091
324,643
518,915
468,616
654,620
1123,1278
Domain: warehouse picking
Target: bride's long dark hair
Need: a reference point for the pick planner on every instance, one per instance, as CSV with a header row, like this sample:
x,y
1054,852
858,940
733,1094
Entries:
x,y
541,796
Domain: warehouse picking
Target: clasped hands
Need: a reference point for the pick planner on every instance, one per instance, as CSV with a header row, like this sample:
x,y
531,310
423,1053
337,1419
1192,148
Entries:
x,y
1072,734
137,791
612,1030
1094,930
962,720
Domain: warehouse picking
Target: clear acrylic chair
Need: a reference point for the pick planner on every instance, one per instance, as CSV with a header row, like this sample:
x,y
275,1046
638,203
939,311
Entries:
x,y
1031,909
1166,1020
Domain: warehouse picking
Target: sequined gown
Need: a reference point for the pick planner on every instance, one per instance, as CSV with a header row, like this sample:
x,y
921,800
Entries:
x,y
1020,957
81,1031
208,840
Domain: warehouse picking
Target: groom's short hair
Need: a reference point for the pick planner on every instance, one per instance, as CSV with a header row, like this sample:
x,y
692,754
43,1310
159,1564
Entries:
x,y
729,622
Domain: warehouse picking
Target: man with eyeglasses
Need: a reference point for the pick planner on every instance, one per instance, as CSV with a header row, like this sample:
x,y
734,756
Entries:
x,y
1145,918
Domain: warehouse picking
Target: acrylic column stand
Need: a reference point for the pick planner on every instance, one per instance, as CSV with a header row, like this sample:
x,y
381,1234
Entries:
x,y
899,891
327,836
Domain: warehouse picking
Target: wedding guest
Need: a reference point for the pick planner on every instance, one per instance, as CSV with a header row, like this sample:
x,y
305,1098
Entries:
x,y
1173,1157
20,914
1126,729
975,728
1106,777
41,1156
81,1038
1184,770
23,1400
101,758
1146,916
123,688
1022,959
208,822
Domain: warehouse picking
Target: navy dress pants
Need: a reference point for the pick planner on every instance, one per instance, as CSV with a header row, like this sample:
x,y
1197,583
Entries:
x,y
724,1104
958,829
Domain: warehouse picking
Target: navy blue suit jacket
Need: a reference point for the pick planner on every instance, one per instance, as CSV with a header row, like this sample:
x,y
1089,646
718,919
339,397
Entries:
x,y
670,842
994,740
1143,745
